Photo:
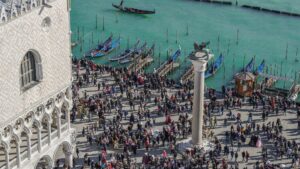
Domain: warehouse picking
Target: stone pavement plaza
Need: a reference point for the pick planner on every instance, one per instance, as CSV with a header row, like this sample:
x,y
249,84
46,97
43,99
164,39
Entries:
x,y
289,122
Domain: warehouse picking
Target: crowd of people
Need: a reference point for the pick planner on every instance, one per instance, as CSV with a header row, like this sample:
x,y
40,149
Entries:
x,y
122,122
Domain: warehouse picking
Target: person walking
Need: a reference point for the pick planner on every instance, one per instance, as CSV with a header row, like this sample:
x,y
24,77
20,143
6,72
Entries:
x,y
236,156
77,152
243,155
231,154
247,156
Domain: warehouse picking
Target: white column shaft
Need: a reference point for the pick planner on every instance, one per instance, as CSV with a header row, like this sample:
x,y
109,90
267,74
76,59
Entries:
x,y
39,134
7,159
18,155
29,147
68,119
69,159
197,122
59,125
49,133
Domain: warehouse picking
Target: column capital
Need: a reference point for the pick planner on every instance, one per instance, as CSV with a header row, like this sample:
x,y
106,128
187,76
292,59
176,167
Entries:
x,y
199,66
199,60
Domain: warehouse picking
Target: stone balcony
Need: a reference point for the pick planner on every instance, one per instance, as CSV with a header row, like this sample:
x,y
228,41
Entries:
x,y
33,132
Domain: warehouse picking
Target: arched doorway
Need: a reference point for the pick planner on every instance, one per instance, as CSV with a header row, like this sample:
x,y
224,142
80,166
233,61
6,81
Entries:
x,y
63,156
45,163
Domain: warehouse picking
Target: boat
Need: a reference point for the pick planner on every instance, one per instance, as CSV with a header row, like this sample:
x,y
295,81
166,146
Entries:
x,y
137,53
140,50
188,74
105,43
126,53
215,66
169,61
249,67
107,49
169,65
100,47
176,55
149,52
261,68
144,60
132,10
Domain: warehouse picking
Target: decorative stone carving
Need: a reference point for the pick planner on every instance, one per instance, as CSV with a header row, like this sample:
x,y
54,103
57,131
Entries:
x,y
13,12
38,115
68,93
59,99
46,24
49,106
10,10
29,118
7,132
18,125
3,15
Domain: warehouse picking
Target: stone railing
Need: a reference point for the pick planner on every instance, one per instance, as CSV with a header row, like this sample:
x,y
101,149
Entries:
x,y
11,9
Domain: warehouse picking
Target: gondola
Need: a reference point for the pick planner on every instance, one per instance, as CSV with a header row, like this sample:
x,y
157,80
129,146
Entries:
x,y
107,49
140,50
100,47
126,53
132,10
172,59
261,68
215,66
249,67
149,51
136,54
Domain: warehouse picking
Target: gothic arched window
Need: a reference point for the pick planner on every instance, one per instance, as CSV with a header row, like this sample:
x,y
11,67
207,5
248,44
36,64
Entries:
x,y
31,70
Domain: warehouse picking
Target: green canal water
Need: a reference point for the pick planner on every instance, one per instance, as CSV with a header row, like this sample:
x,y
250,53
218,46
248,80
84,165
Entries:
x,y
266,36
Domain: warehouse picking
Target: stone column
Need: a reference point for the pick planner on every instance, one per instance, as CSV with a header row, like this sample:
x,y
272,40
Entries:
x,y
39,137
29,146
68,118
49,132
58,120
69,159
7,158
199,61
18,154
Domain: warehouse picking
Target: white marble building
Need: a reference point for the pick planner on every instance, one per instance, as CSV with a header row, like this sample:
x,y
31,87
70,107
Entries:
x,y
35,81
